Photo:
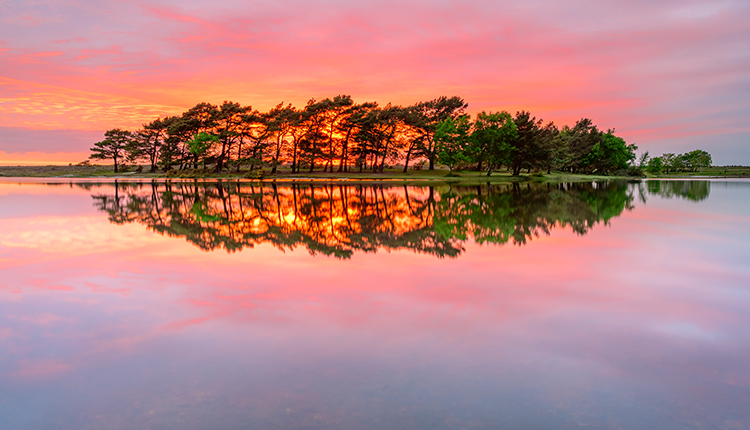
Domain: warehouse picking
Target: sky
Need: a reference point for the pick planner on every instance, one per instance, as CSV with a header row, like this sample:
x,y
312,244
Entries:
x,y
669,76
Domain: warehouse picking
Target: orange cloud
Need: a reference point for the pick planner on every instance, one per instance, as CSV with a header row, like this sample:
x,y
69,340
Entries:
x,y
37,106
37,158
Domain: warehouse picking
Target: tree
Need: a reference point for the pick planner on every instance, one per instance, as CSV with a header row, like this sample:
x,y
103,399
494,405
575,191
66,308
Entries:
x,y
703,160
425,116
228,121
491,140
257,128
313,121
113,146
643,160
336,111
668,161
581,142
349,128
389,123
558,148
611,153
452,141
368,137
147,143
199,146
655,165
280,121
172,150
377,134
697,159
673,163
527,151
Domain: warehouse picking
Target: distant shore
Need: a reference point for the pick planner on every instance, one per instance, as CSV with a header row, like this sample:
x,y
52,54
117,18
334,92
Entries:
x,y
393,174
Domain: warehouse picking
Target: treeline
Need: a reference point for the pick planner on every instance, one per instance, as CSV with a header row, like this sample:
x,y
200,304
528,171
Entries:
x,y
687,162
690,190
339,220
337,134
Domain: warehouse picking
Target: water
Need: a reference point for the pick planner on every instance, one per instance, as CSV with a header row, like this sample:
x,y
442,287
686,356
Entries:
x,y
231,305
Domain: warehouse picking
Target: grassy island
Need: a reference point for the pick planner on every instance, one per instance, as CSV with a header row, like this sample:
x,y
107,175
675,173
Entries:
x,y
338,139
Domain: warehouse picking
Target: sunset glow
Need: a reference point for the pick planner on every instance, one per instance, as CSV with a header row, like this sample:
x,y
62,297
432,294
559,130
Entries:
x,y
670,76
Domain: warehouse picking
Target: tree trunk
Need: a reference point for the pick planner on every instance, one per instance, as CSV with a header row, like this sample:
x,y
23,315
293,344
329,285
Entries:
x,y
408,155
239,153
294,156
278,153
344,151
431,155
220,161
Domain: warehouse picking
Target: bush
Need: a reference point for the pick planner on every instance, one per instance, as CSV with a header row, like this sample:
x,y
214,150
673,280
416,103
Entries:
x,y
255,174
635,171
621,172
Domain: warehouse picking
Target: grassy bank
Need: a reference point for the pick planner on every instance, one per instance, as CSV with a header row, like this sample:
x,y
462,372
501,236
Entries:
x,y
392,174
714,171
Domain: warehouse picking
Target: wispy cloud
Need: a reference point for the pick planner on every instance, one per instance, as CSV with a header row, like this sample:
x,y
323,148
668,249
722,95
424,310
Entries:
x,y
645,68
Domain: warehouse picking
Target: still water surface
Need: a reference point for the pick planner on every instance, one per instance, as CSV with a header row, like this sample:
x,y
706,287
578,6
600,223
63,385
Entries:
x,y
317,306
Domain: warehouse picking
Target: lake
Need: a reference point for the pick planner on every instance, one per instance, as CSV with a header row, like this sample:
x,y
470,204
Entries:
x,y
233,305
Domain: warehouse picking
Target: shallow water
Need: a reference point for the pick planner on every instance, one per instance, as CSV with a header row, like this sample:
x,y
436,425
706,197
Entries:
x,y
231,305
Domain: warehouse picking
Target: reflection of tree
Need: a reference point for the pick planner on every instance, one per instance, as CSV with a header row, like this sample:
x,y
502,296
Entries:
x,y
339,220
691,190
516,212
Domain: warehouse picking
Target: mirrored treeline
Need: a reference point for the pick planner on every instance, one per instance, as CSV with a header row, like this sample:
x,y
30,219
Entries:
x,y
338,219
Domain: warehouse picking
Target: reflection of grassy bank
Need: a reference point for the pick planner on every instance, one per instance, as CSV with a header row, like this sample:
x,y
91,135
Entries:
x,y
97,171
713,171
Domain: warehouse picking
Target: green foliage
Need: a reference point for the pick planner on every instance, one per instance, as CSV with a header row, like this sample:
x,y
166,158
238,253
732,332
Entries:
x,y
655,165
582,139
491,139
200,144
452,141
424,117
643,160
528,150
697,159
200,211
672,163
610,154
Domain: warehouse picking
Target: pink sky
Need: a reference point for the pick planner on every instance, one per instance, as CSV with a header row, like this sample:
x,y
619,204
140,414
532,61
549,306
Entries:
x,y
669,76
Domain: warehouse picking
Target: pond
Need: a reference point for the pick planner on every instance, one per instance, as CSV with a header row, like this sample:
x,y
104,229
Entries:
x,y
229,305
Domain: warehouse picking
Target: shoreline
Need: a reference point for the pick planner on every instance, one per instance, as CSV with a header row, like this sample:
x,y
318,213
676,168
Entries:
x,y
389,176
